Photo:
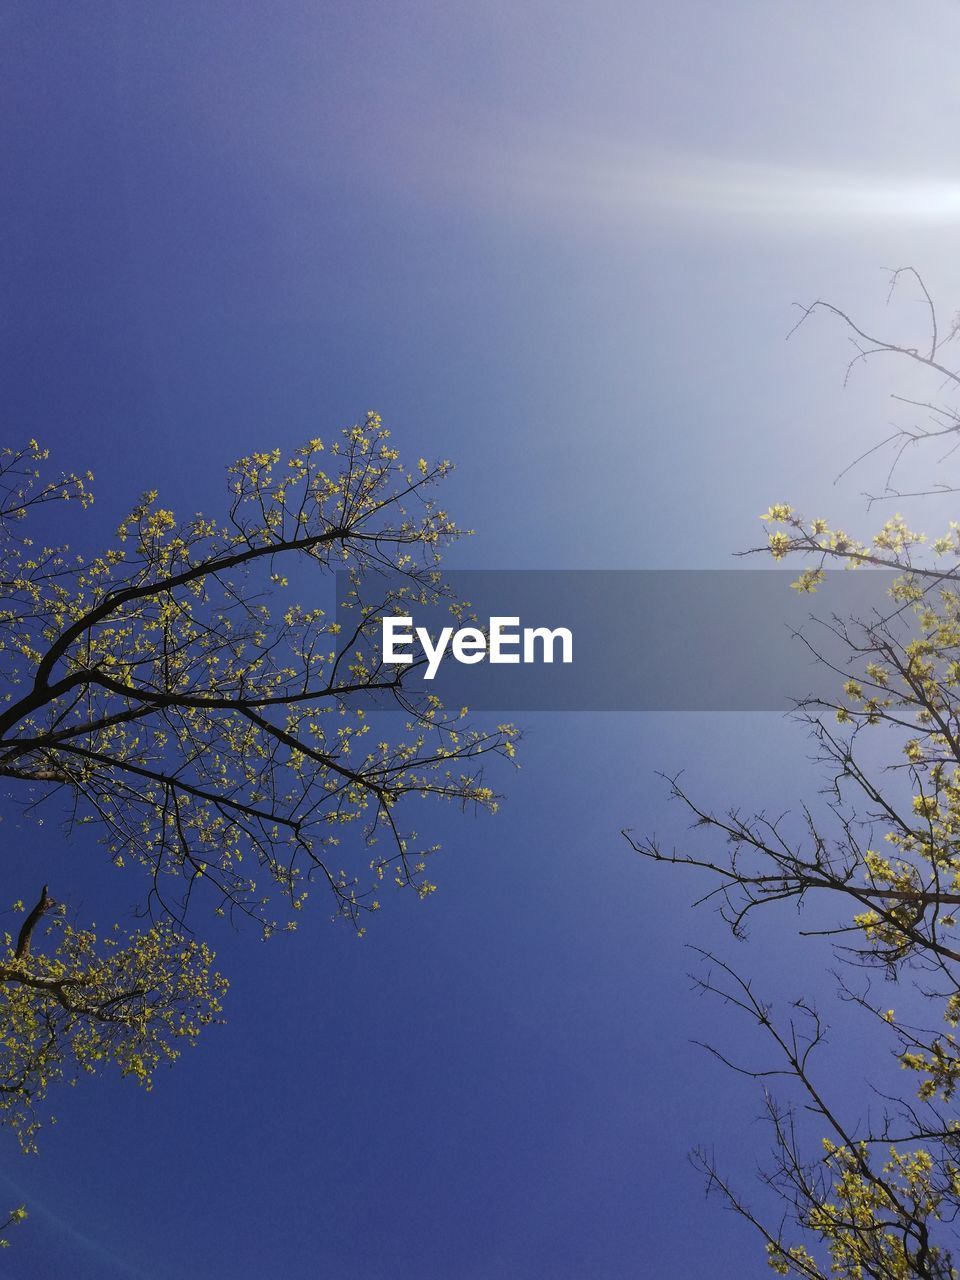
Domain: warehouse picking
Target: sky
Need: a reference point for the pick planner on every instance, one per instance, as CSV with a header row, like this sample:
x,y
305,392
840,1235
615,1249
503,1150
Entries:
x,y
560,244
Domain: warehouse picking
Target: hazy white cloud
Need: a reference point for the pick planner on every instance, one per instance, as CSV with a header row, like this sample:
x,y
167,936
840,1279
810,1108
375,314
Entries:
x,y
562,177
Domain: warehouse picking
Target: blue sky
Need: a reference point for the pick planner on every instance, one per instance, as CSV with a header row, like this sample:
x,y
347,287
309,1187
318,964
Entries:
x,y
558,243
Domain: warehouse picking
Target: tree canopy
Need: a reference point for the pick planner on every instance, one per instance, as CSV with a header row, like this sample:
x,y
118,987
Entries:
x,y
184,694
881,1197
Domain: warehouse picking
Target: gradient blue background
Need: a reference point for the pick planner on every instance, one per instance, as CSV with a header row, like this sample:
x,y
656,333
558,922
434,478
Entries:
x,y
558,243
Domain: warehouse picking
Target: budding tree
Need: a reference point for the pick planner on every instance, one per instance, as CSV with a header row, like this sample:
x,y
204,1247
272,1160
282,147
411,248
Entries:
x,y
879,1193
185,695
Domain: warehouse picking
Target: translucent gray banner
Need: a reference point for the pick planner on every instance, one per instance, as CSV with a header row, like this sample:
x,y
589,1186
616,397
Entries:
x,y
642,640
